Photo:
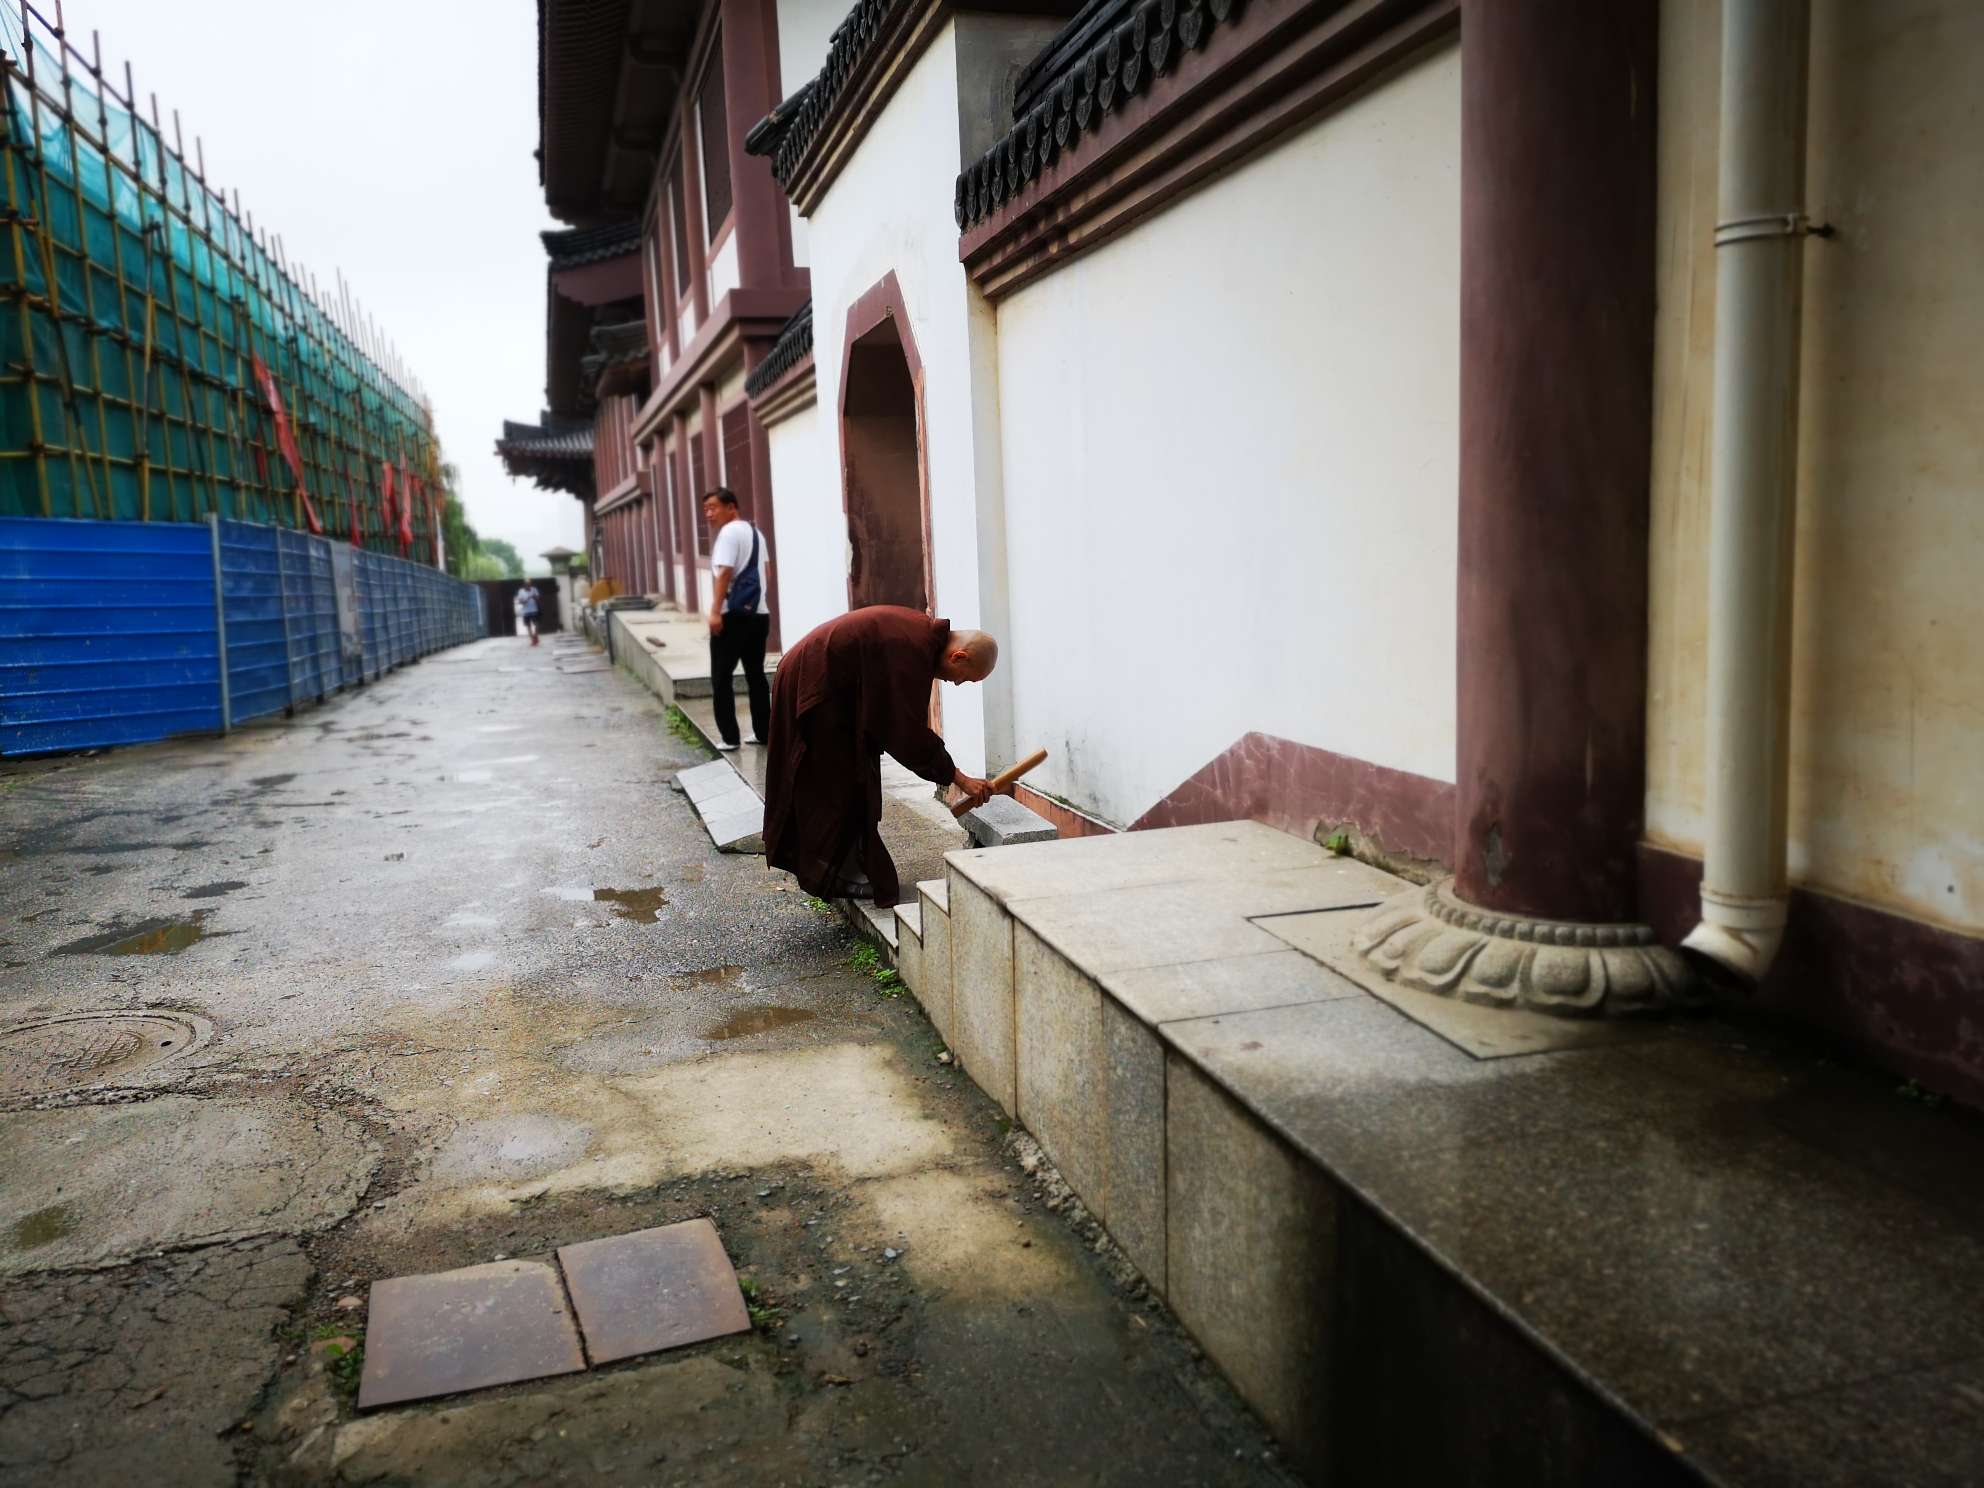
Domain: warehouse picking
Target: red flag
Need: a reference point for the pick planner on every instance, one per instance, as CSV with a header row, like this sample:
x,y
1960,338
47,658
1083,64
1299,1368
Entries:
x,y
351,500
286,440
385,496
406,507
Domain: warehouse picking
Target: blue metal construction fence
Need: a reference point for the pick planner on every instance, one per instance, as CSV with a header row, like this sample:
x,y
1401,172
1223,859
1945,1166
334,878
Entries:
x,y
110,633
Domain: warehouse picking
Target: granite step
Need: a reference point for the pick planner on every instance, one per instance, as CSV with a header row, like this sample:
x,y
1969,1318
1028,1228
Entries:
x,y
932,985
909,945
1428,1248
878,924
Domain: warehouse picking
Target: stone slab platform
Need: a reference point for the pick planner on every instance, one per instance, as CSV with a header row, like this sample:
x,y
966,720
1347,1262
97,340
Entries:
x,y
669,651
1430,1250
732,812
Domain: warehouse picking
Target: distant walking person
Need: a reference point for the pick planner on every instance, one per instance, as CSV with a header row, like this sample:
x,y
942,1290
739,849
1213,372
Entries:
x,y
527,609
740,616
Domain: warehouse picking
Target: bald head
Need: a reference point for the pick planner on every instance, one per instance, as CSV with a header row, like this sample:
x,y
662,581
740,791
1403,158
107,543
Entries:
x,y
969,656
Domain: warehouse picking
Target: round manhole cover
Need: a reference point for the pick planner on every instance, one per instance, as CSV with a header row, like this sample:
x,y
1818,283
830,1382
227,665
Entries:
x,y
48,1055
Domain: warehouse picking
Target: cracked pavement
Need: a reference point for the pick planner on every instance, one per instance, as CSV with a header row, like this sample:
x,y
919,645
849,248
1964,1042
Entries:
x,y
434,1044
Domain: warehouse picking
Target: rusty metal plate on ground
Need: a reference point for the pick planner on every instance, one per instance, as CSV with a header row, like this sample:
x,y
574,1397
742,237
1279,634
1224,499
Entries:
x,y
451,1331
47,1056
653,1289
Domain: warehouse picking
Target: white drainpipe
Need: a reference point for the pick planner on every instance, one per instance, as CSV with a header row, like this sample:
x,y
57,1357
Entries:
x,y
1759,289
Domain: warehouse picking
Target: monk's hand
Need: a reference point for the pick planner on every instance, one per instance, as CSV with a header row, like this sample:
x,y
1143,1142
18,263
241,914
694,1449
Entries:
x,y
972,790
716,622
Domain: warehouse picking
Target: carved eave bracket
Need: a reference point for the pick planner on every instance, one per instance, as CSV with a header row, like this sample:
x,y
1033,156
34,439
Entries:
x,y
1433,941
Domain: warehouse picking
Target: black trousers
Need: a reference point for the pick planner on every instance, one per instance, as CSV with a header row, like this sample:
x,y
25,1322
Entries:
x,y
742,640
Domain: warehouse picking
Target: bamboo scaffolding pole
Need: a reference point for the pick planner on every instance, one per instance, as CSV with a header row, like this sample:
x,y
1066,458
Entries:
x,y
108,498
52,287
198,373
178,333
15,230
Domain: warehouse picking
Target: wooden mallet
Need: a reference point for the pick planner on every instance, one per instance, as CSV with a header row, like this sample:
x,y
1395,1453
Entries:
x,y
1006,777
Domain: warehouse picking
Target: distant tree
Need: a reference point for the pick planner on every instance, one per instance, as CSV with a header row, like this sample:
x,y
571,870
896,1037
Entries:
x,y
470,555
459,538
513,566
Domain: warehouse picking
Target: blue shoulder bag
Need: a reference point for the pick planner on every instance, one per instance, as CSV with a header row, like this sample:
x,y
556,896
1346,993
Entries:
x,y
744,588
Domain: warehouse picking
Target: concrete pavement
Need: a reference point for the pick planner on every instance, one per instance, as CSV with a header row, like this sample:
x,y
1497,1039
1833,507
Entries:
x,y
456,976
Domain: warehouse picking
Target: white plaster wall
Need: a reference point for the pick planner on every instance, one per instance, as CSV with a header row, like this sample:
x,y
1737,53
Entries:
x,y
1887,767
1230,449
803,29
890,209
812,538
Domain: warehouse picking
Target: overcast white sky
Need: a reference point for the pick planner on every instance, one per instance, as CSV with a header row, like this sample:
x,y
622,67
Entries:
x,y
393,141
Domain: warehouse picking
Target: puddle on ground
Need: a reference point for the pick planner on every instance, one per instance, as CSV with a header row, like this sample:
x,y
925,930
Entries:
x,y
152,938
748,1021
43,1227
215,890
711,976
640,905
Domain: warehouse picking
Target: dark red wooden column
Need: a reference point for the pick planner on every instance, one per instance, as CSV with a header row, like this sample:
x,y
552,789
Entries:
x,y
1556,412
686,514
752,88
1556,405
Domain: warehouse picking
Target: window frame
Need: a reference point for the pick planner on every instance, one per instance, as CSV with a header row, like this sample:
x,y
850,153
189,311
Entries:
x,y
652,283
712,84
678,234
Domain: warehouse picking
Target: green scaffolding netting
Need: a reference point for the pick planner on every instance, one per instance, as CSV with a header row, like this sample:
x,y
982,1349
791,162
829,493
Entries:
x,y
133,302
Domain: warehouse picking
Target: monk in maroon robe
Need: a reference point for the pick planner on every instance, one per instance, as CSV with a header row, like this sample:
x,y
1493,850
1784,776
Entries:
x,y
853,690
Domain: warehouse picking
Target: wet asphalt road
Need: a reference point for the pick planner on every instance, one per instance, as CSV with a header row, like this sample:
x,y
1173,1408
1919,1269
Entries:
x,y
460,977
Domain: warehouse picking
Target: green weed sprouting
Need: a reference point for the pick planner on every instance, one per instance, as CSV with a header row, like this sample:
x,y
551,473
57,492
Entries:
x,y
764,1312
865,959
680,726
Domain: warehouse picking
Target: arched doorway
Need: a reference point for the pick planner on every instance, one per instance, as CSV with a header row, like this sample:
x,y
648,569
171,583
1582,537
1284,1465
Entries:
x,y
882,456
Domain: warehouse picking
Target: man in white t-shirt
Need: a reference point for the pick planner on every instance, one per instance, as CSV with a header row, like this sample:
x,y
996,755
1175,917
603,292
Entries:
x,y
740,616
526,603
